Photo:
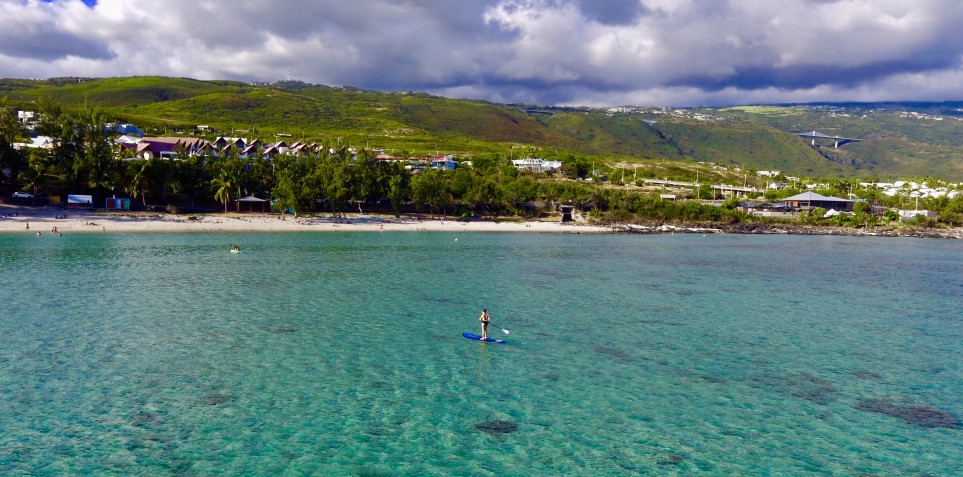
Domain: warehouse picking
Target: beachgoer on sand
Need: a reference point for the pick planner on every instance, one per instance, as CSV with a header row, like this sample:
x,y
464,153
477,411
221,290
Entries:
x,y
484,319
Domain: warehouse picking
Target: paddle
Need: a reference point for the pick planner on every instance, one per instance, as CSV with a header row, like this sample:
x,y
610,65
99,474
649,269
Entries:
x,y
499,327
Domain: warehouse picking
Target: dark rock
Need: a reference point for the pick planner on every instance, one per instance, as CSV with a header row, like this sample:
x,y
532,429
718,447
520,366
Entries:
x,y
813,388
144,417
215,399
497,427
612,351
285,329
711,378
922,416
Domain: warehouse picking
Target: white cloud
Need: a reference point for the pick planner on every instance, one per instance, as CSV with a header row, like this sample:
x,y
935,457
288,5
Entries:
x,y
676,52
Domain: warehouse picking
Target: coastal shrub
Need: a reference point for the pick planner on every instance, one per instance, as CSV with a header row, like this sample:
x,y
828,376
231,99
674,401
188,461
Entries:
x,y
952,212
924,221
952,218
842,220
862,208
730,203
619,215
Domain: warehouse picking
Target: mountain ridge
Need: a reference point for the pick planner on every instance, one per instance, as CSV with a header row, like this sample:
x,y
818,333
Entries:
x,y
900,139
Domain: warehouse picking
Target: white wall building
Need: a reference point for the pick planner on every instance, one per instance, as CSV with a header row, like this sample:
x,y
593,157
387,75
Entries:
x,y
537,164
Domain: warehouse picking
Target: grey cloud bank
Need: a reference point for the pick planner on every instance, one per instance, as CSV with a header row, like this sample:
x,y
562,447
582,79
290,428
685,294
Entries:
x,y
565,52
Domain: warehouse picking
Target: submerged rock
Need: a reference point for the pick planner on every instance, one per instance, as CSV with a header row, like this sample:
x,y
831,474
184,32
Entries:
x,y
284,329
612,351
813,388
801,385
671,459
144,417
496,427
866,375
922,416
215,399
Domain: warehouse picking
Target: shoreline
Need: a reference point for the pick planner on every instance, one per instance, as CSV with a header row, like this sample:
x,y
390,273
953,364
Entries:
x,y
14,219
43,219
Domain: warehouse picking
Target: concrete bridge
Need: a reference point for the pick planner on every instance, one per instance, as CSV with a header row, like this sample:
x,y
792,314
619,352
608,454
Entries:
x,y
837,141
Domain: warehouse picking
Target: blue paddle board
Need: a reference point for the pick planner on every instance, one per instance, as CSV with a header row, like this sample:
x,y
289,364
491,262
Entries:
x,y
473,336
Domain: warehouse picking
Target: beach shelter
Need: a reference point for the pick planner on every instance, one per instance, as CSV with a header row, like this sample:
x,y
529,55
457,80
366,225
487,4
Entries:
x,y
250,204
811,200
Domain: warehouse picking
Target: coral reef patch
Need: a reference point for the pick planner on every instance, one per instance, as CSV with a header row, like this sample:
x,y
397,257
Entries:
x,y
922,416
497,426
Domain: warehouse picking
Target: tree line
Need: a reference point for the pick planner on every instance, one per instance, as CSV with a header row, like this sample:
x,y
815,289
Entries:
x,y
84,159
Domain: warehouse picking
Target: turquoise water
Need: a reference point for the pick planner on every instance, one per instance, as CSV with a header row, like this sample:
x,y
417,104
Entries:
x,y
341,354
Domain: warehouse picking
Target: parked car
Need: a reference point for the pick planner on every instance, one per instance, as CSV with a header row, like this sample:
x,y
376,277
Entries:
x,y
22,195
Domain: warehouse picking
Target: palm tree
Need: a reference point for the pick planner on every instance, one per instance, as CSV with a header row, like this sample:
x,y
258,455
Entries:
x,y
139,181
32,177
224,187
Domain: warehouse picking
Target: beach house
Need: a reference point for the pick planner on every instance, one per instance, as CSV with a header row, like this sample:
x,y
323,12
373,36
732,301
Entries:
x,y
811,200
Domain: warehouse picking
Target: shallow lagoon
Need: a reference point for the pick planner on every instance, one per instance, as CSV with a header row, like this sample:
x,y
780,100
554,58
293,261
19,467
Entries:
x,y
341,354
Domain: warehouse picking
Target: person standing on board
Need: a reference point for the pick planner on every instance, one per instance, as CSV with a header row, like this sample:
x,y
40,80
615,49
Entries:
x,y
484,319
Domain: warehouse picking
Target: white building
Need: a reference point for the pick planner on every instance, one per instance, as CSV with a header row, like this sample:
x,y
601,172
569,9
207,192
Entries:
x,y
39,142
537,164
28,116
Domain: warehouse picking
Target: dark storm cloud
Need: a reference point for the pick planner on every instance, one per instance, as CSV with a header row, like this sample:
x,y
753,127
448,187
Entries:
x,y
31,31
812,75
612,12
52,45
538,51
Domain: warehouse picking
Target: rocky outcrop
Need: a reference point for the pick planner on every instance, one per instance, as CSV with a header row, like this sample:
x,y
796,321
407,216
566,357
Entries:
x,y
787,229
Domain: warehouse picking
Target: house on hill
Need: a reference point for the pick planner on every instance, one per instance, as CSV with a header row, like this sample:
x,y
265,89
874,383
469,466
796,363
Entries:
x,y
537,164
164,147
225,142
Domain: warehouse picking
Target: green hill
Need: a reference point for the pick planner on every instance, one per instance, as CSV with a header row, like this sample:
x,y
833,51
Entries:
x,y
899,139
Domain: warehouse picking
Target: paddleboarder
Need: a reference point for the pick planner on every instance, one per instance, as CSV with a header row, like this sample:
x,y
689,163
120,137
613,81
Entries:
x,y
484,319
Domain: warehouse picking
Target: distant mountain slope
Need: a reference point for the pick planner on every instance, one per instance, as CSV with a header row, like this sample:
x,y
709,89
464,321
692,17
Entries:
x,y
114,92
900,139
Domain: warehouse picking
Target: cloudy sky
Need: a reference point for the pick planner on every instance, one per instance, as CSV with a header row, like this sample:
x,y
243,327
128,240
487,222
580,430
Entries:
x,y
552,52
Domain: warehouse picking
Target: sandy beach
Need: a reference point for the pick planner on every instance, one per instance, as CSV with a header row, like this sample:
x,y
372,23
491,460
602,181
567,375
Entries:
x,y
15,219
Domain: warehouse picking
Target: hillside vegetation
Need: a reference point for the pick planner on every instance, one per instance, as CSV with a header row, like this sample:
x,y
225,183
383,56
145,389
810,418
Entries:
x,y
898,140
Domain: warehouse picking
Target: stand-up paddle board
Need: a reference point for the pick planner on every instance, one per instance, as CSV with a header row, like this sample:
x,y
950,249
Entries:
x,y
473,336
